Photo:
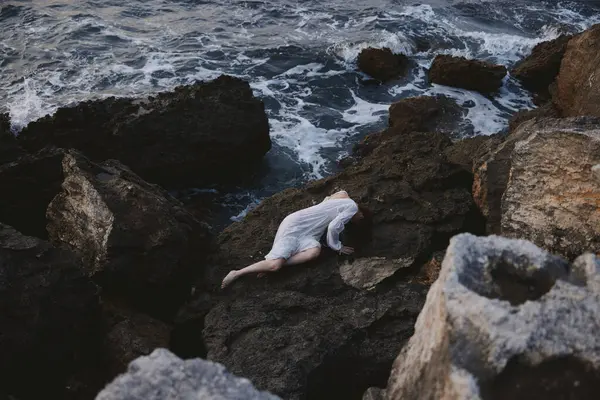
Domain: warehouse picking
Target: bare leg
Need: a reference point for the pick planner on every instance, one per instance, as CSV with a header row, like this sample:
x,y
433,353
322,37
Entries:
x,y
261,266
300,258
304,256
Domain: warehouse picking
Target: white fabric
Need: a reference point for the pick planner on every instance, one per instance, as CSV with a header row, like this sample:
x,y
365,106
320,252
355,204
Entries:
x,y
301,230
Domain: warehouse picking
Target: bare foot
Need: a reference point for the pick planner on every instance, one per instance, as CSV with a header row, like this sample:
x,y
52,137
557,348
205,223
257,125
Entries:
x,y
231,276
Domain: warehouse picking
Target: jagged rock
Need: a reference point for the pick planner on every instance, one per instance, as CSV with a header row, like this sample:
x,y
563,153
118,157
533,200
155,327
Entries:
x,y
366,273
304,332
9,148
552,197
491,164
133,237
130,335
416,114
382,64
596,171
162,375
467,74
491,172
431,270
538,70
203,133
577,90
50,318
312,345
469,151
374,394
27,185
425,114
505,320
547,110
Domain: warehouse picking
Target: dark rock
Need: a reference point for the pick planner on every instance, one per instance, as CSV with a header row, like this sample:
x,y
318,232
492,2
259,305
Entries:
x,y
382,64
130,335
425,114
50,320
133,237
431,270
305,332
538,70
421,114
547,110
467,74
204,133
9,148
27,186
162,375
374,394
468,151
577,90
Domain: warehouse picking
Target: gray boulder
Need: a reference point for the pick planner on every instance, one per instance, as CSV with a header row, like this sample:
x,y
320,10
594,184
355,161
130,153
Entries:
x,y
552,197
164,376
505,320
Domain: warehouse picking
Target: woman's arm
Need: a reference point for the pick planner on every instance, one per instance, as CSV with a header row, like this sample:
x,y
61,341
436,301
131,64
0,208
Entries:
x,y
337,226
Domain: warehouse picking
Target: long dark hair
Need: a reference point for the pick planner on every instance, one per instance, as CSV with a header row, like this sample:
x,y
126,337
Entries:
x,y
359,233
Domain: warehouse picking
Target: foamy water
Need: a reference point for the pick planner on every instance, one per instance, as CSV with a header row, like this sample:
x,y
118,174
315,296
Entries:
x,y
300,59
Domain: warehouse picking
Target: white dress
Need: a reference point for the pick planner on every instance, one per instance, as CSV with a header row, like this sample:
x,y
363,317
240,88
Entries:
x,y
301,230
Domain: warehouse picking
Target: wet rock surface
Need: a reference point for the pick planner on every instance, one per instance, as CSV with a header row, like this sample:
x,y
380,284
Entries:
x,y
460,72
382,64
504,320
415,114
205,133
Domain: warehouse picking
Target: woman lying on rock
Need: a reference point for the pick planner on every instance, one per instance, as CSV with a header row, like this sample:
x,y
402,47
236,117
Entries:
x,y
297,239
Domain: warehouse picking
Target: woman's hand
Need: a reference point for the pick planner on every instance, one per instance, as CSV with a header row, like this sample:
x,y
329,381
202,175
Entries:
x,y
346,250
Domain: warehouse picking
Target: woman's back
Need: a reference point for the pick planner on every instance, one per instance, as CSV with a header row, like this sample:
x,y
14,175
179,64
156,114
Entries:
x,y
313,221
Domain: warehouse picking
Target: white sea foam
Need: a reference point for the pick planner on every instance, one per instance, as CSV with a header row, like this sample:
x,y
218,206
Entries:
x,y
27,105
162,59
397,42
363,112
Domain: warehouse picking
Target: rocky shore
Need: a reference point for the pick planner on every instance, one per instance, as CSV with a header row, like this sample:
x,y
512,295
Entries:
x,y
478,277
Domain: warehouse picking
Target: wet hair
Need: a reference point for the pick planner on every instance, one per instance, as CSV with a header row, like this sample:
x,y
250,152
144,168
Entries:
x,y
360,232
367,214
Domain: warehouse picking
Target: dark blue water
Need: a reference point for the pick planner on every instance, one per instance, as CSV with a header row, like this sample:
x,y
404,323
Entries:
x,y
298,55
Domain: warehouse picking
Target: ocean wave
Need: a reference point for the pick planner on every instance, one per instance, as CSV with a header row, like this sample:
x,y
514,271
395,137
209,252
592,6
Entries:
x,y
301,60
